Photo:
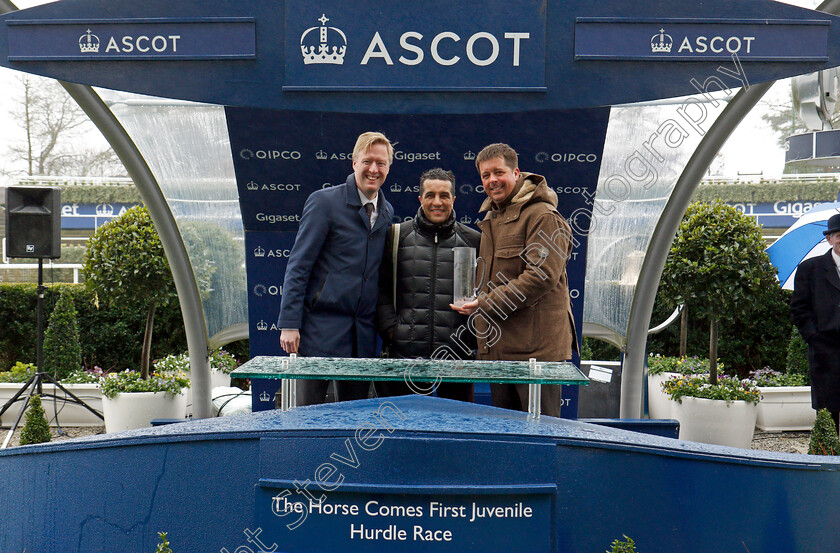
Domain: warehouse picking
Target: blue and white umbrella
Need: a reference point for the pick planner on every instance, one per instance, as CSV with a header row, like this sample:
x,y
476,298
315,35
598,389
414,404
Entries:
x,y
802,241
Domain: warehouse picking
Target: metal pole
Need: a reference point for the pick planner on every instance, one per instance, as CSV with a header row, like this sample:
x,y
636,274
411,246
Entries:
x,y
39,325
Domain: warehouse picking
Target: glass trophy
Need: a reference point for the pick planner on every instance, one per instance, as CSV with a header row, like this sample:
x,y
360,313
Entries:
x,y
464,287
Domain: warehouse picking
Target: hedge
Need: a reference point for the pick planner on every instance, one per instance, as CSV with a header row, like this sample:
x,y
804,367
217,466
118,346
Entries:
x,y
98,194
768,192
110,338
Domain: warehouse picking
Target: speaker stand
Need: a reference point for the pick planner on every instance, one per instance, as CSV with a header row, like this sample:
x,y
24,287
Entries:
x,y
35,383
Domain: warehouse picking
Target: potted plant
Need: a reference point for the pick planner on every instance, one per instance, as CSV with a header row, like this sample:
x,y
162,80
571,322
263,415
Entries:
x,y
661,369
222,364
785,401
717,265
723,413
84,384
131,401
125,266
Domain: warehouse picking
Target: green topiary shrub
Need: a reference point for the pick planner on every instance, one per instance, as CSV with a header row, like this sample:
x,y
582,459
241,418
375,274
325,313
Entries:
x,y
797,356
125,267
62,348
824,440
35,428
718,268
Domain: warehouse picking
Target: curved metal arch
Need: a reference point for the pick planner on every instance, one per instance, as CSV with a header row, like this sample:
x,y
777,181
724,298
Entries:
x,y
176,254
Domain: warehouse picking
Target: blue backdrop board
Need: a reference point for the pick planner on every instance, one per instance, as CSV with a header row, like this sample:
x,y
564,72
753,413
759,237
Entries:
x,y
282,157
90,216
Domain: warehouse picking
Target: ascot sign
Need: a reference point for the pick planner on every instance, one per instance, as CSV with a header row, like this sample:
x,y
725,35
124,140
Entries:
x,y
339,52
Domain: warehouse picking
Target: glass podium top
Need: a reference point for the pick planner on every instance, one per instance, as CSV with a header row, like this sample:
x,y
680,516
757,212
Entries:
x,y
418,370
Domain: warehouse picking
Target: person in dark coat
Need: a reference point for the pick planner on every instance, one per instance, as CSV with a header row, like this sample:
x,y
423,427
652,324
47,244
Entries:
x,y
331,283
815,307
423,325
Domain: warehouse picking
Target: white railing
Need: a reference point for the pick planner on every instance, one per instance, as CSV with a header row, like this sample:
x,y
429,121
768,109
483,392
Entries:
x,y
5,264
805,178
52,266
75,181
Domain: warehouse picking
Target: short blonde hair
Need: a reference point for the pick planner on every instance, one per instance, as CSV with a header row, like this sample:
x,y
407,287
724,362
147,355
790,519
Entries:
x,y
366,141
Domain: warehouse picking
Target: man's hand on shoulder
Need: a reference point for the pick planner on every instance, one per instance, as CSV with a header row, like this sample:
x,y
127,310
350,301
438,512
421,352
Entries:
x,y
290,340
467,309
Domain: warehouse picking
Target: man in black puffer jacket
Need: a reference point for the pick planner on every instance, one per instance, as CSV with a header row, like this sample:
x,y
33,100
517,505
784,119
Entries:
x,y
423,320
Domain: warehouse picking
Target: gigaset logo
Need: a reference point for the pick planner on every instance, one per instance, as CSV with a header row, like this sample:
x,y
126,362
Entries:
x,y
246,153
411,157
271,218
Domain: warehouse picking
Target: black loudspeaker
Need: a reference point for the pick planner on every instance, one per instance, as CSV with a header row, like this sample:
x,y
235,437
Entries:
x,y
33,222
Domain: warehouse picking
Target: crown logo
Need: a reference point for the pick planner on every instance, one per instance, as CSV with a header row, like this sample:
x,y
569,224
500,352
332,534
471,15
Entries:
x,y
469,156
259,252
265,397
262,325
661,42
325,51
466,220
396,188
89,43
321,155
104,210
253,186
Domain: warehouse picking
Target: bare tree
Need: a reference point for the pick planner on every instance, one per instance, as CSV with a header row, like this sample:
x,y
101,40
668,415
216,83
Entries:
x,y
780,115
782,119
54,131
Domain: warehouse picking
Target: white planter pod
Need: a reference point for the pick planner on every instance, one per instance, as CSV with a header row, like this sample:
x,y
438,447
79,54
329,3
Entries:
x,y
714,421
785,408
659,404
69,414
138,409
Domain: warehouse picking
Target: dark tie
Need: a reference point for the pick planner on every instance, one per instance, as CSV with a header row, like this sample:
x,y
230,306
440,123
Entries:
x,y
369,211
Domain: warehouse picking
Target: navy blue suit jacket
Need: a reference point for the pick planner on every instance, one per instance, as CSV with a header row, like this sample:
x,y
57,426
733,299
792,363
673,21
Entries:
x,y
332,278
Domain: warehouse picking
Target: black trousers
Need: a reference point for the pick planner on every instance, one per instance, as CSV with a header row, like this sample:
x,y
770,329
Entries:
x,y
314,392
515,397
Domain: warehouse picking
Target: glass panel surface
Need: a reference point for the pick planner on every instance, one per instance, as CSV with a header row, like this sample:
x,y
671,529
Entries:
x,y
417,370
646,149
186,146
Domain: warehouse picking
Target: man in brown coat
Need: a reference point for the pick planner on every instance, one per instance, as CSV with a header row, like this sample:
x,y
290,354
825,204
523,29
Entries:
x,y
523,308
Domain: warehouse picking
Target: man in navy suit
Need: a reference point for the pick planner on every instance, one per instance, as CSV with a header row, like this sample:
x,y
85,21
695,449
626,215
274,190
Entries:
x,y
332,279
815,307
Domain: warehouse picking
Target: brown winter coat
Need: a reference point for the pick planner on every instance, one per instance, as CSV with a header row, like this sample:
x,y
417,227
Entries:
x,y
524,306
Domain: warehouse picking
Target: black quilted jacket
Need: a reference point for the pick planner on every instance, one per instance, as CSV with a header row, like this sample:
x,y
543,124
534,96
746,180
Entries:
x,y
423,320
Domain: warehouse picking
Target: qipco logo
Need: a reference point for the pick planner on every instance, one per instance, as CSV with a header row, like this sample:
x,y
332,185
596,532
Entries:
x,y
270,155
